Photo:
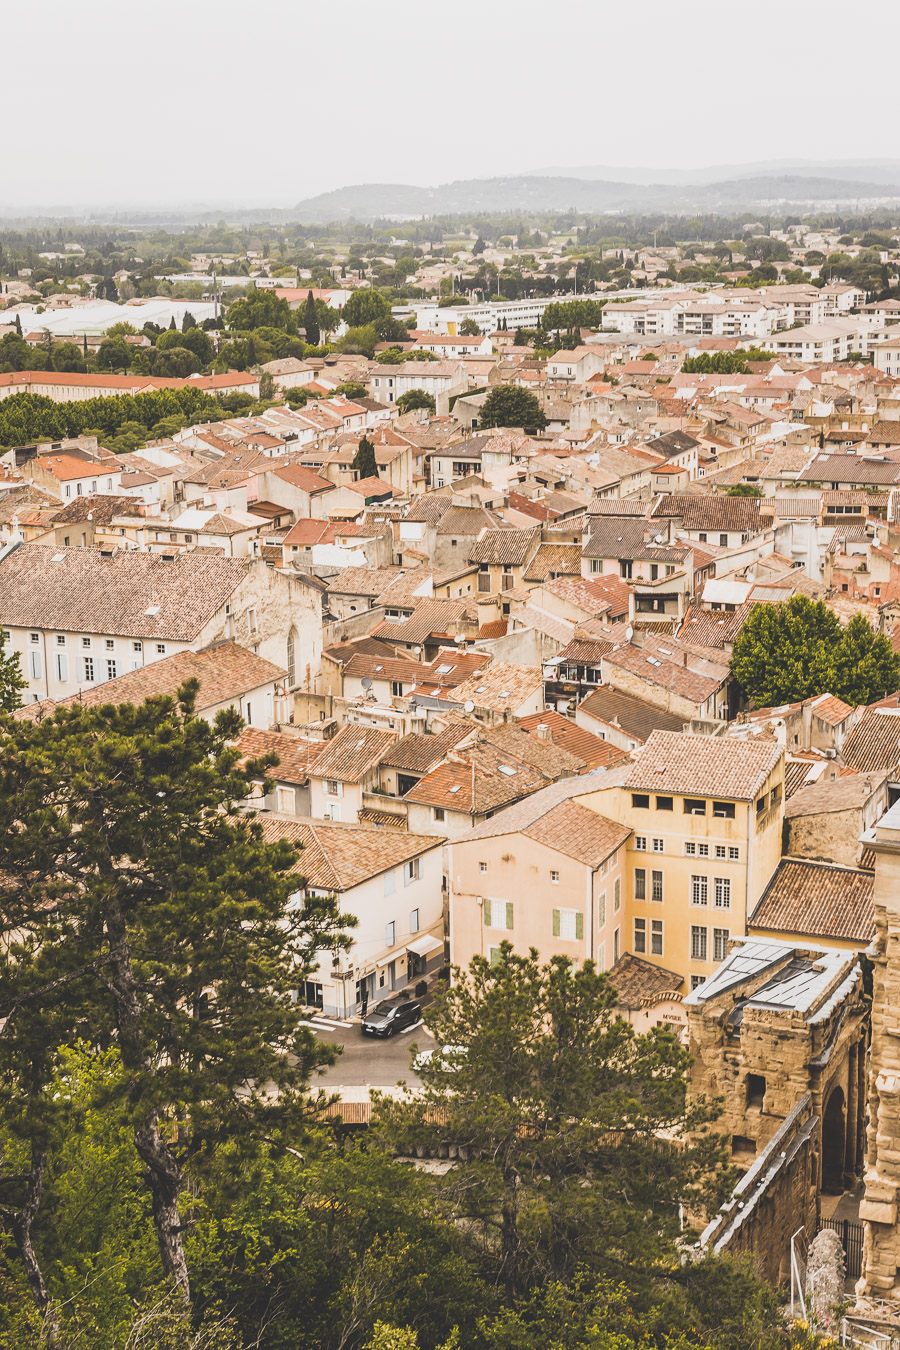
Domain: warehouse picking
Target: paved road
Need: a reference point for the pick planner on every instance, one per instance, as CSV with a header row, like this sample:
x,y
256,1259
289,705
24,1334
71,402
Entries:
x,y
369,1061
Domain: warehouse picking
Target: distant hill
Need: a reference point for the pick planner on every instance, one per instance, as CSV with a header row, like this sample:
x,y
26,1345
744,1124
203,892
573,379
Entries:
x,y
535,192
884,171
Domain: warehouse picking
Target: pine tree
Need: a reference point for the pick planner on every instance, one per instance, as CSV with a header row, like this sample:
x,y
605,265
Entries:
x,y
188,321
141,912
12,681
559,1106
19,325
364,461
311,321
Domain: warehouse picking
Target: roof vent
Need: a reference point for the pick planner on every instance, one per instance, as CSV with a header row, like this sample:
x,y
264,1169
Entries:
x,y
58,557
151,611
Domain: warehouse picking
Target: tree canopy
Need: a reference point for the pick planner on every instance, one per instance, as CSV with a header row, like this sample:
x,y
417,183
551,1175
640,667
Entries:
x,y
142,914
508,405
797,649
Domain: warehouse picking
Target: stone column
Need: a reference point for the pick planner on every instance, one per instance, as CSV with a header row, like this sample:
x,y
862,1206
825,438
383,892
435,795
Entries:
x,y
852,1135
878,1210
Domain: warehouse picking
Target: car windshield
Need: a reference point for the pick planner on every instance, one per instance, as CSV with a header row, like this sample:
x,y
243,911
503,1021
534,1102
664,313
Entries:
x,y
383,1007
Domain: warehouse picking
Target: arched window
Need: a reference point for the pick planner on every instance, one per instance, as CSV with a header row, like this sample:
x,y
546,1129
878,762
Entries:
x,y
291,658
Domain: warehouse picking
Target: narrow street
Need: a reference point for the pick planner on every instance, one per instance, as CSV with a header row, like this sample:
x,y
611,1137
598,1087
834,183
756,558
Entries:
x,y
369,1062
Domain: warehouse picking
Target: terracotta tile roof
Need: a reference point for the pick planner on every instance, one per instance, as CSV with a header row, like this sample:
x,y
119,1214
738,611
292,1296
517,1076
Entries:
x,y
100,508
831,710
636,718
648,665
353,752
85,592
502,687
496,628
511,740
640,984
336,857
302,477
554,560
403,668
712,628
847,793
362,580
428,617
591,750
583,835
735,514
511,548
418,753
450,785
465,520
295,754
796,773
225,672
585,651
583,593
703,766
820,900
874,743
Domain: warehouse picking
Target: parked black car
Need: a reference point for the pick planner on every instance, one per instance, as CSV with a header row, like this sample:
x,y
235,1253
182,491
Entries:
x,y
390,1016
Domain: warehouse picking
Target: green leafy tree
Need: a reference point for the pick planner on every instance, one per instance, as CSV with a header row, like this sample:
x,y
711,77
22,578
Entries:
x,y
113,353
415,398
572,314
362,340
352,389
469,328
67,356
365,307
866,665
142,909
797,649
311,327
176,362
745,490
508,405
364,461
191,339
559,1106
261,309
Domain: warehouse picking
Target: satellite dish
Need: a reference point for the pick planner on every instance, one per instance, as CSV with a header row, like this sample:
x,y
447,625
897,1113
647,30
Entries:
x,y
629,633
366,682
469,706
460,637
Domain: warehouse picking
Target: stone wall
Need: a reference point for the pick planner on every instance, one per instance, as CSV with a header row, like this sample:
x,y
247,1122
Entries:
x,y
775,1198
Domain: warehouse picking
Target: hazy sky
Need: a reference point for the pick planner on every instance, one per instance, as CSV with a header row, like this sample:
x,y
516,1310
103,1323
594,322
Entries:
x,y
270,101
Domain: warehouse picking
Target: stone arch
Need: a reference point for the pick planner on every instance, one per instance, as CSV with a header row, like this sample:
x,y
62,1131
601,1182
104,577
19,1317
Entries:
x,y
834,1131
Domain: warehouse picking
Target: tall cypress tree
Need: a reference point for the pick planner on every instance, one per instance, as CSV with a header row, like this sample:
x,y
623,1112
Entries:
x,y
311,321
364,461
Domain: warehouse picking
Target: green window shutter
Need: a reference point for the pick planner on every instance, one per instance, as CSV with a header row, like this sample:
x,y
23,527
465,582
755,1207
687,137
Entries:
x,y
486,912
509,914
556,923
495,956
579,927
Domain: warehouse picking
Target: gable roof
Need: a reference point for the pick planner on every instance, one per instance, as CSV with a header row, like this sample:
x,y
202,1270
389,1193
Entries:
x,y
593,752
295,755
353,752
78,590
337,857
634,715
822,900
703,766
